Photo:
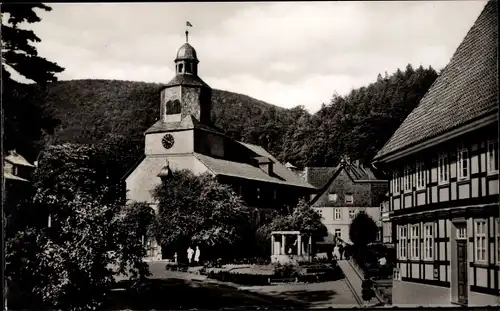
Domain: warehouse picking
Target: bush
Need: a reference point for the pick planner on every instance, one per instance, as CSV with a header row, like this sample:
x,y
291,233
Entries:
x,y
248,279
286,271
367,291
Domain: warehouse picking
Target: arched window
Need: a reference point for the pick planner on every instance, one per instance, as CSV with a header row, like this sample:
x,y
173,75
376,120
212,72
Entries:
x,y
189,68
180,68
173,107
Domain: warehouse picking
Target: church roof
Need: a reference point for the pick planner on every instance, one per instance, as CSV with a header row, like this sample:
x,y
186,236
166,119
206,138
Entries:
x,y
466,91
187,123
247,171
187,80
278,168
186,51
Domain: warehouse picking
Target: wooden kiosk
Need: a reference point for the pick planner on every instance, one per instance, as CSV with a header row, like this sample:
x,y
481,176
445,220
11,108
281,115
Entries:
x,y
290,247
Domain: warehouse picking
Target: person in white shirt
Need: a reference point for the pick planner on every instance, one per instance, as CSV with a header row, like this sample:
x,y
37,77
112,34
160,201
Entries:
x,y
197,255
190,252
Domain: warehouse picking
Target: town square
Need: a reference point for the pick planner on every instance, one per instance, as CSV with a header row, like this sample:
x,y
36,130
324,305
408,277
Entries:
x,y
142,173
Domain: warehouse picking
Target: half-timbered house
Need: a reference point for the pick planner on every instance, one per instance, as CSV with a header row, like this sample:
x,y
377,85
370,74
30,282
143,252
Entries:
x,y
444,187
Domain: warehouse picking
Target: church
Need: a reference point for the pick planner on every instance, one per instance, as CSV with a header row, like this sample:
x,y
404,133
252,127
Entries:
x,y
185,138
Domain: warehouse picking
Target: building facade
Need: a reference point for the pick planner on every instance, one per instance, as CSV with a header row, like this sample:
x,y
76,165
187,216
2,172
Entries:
x,y
443,197
185,138
344,192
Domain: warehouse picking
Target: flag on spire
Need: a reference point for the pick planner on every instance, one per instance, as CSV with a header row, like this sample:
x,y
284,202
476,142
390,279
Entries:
x,y
188,24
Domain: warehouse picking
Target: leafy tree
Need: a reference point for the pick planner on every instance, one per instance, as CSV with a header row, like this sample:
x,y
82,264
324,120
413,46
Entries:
x,y
92,237
198,210
363,230
303,218
17,50
27,120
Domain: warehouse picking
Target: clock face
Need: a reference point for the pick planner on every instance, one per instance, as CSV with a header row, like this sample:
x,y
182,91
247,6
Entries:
x,y
167,141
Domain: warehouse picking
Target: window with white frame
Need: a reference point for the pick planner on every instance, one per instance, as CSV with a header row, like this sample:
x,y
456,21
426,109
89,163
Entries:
x,y
396,183
414,241
402,241
319,211
443,168
480,236
492,157
407,178
332,197
462,233
352,214
428,241
420,170
349,198
337,214
338,233
463,162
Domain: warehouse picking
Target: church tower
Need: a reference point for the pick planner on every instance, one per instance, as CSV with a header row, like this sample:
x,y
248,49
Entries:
x,y
186,94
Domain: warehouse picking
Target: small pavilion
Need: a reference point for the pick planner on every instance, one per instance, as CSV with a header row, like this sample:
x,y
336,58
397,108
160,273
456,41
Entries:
x,y
290,247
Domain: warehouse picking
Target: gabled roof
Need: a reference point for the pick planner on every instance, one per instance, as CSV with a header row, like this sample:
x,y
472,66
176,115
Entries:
x,y
17,159
323,177
466,90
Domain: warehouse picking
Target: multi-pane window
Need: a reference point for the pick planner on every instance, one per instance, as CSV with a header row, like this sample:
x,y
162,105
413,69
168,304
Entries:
x,y
480,232
338,233
492,159
352,214
443,168
463,162
462,233
337,214
428,241
332,197
349,198
319,211
414,241
407,178
498,239
402,241
420,175
396,182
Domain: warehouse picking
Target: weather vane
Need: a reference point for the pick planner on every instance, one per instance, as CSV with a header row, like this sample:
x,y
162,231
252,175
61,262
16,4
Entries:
x,y
188,24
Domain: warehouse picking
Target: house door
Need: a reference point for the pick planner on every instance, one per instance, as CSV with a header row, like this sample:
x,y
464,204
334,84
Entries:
x,y
462,271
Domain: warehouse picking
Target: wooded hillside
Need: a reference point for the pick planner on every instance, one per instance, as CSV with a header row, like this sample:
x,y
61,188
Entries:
x,y
91,111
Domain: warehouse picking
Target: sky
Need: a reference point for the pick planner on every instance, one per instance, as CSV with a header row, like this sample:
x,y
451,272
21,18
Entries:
x,y
284,53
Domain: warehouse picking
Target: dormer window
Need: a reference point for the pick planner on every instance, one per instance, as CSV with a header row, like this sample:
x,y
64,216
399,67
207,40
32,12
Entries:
x,y
332,197
349,198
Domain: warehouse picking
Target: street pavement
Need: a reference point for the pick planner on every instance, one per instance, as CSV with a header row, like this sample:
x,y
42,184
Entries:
x,y
180,290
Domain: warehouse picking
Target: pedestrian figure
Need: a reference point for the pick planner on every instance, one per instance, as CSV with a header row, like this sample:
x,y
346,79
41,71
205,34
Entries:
x,y
341,251
190,252
197,255
336,253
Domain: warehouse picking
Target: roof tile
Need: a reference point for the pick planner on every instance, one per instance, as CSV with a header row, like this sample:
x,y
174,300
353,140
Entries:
x,y
466,90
